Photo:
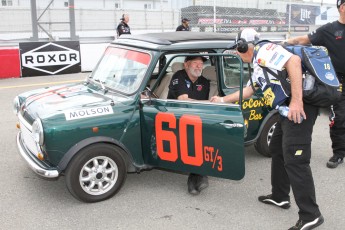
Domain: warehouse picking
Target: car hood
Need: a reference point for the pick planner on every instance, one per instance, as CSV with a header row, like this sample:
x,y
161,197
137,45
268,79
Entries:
x,y
53,101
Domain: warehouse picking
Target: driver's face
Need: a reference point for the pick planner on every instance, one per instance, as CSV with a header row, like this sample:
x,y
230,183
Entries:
x,y
194,67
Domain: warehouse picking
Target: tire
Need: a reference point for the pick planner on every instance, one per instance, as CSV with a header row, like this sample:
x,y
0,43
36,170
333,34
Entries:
x,y
262,143
96,173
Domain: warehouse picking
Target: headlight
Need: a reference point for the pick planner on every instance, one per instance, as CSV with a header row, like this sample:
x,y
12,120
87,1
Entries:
x,y
16,105
37,131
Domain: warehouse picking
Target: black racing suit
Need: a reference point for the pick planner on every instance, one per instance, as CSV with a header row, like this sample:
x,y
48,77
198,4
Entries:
x,y
123,28
182,28
332,36
290,145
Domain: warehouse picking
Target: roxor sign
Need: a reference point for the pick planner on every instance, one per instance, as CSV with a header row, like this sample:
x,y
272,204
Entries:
x,y
41,58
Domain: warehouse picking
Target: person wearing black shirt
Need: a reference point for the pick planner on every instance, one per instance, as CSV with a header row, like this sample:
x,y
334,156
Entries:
x,y
123,27
184,26
189,84
332,36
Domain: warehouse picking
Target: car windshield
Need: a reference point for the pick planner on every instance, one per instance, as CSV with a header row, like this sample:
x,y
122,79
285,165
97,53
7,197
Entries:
x,y
121,69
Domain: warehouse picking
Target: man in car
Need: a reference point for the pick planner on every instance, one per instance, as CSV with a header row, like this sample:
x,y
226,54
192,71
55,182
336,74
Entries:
x,y
189,84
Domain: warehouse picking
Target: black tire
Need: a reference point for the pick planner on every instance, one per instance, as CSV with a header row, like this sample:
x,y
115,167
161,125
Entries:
x,y
262,143
103,170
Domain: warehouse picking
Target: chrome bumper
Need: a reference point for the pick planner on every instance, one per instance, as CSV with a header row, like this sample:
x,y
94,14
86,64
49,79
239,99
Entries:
x,y
47,173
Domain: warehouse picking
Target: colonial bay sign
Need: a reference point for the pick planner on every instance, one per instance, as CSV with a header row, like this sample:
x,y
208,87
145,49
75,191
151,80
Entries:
x,y
40,58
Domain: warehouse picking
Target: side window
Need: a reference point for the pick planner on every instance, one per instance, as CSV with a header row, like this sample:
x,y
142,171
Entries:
x,y
176,59
161,89
175,63
232,71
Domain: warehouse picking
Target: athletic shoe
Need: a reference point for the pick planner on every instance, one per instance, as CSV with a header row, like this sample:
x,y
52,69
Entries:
x,y
196,183
307,225
334,161
285,204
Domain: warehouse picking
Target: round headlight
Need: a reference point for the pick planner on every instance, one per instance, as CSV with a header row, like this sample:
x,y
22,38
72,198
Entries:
x,y
37,131
16,105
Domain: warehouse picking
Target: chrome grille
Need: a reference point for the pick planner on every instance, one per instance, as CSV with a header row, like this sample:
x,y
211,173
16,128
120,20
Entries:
x,y
26,136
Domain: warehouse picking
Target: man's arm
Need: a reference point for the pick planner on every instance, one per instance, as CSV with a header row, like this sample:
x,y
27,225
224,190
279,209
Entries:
x,y
184,97
300,40
294,69
231,98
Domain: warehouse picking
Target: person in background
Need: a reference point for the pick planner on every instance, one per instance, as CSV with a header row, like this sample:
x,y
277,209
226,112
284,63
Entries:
x,y
184,26
123,27
332,36
290,144
189,84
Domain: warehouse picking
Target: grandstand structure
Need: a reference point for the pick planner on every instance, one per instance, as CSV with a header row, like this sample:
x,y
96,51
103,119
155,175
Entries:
x,y
98,19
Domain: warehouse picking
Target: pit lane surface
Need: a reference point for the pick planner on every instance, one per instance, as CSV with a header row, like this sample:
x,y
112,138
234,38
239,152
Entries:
x,y
155,199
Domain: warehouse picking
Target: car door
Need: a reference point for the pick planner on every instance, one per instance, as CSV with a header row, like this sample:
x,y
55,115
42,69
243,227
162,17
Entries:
x,y
193,136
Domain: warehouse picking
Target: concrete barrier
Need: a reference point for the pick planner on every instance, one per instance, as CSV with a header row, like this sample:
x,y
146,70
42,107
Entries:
x,y
10,66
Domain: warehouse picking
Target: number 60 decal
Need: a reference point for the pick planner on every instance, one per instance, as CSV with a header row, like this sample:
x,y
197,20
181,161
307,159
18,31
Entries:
x,y
169,136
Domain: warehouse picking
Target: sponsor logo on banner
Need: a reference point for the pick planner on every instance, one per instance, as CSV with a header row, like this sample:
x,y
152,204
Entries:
x,y
302,14
39,58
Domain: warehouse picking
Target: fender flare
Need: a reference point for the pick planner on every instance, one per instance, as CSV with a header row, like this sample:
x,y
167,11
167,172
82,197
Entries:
x,y
93,140
268,116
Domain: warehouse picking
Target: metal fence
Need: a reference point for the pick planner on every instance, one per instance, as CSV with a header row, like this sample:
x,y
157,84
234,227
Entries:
x,y
222,16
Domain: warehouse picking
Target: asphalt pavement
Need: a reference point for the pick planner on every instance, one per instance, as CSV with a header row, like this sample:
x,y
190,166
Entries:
x,y
155,199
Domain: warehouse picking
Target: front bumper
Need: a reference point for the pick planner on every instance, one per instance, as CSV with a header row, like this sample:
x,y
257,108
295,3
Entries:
x,y
36,165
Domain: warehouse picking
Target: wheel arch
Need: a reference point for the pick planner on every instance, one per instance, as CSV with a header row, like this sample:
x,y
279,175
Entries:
x,y
95,140
268,116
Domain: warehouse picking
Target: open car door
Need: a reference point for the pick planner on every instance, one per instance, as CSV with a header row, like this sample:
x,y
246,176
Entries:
x,y
194,136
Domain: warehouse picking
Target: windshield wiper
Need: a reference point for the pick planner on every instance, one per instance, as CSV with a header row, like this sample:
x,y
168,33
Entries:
x,y
102,85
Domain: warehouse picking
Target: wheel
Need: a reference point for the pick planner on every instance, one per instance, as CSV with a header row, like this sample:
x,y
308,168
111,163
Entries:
x,y
262,143
96,173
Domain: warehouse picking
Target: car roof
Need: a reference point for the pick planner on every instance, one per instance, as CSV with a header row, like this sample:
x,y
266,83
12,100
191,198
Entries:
x,y
178,40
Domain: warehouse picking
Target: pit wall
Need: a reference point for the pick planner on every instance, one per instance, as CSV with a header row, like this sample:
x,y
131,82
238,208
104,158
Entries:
x,y
10,66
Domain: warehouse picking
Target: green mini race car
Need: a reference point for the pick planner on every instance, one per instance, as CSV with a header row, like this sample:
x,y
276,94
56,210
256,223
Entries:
x,y
119,119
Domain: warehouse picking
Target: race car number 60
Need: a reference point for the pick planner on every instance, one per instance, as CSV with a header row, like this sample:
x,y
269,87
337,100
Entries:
x,y
169,136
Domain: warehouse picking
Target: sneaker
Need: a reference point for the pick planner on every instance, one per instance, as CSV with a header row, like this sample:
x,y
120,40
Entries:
x,y
196,183
269,200
334,161
306,225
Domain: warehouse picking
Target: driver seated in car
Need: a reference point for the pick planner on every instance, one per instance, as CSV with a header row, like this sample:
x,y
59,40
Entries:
x,y
189,84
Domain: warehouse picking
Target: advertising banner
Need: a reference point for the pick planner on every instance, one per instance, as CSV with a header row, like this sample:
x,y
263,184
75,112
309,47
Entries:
x,y
236,29
228,16
302,14
49,58
327,14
